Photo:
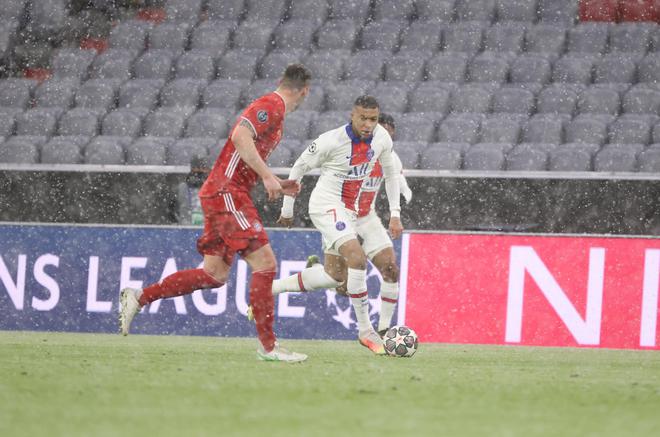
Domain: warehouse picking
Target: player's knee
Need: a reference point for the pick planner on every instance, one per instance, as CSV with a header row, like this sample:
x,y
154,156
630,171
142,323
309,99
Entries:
x,y
390,272
216,273
357,260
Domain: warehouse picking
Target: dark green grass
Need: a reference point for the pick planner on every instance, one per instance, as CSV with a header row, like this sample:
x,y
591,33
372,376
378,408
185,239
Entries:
x,y
104,385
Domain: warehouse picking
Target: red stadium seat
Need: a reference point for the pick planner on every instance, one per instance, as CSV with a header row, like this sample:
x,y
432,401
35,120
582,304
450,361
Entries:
x,y
640,10
599,10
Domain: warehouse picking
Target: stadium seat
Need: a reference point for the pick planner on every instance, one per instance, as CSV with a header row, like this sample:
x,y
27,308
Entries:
x,y
459,147
483,157
558,11
313,11
7,121
315,100
281,157
106,150
471,98
419,127
184,150
154,64
139,93
463,37
239,64
164,122
585,129
649,160
21,150
97,93
392,95
37,122
15,93
130,34
408,152
573,68
426,98
365,65
598,100
488,67
342,95
616,159
114,63
48,18
80,122
72,63
421,35
254,35
649,68
337,34
123,122
357,10
507,37
447,67
545,38
387,10
529,68
542,128
274,63
616,68
170,36
477,10
513,101
516,10
257,89
406,65
527,160
195,65
460,128
327,64
439,11
212,37
230,10
500,129
294,34
641,100
328,120
63,150
631,129
55,93
569,159
588,38
557,99
208,122
631,38
264,11
436,157
182,93
381,35
183,10
147,151
297,124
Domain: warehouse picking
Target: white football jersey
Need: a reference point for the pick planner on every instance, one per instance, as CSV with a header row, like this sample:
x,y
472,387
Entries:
x,y
345,162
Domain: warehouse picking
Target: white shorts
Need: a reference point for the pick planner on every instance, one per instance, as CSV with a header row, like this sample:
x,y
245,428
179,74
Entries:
x,y
373,234
337,226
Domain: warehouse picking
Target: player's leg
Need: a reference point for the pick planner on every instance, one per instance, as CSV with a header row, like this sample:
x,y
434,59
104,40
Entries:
x,y
385,262
335,265
314,277
264,265
356,284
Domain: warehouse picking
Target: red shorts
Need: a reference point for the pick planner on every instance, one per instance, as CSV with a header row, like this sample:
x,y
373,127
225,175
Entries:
x,y
231,225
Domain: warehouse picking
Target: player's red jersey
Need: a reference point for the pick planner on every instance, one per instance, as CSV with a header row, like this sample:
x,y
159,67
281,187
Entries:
x,y
230,173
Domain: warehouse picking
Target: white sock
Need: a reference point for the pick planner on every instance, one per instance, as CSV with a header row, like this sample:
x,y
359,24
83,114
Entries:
x,y
312,278
357,291
389,293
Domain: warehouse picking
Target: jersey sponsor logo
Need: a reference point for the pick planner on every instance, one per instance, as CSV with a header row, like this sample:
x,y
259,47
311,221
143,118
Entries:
x,y
312,148
359,170
340,226
262,116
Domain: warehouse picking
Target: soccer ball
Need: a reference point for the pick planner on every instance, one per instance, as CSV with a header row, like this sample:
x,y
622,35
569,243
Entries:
x,y
400,341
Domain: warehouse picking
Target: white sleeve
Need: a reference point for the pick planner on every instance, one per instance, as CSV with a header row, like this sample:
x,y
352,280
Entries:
x,y
391,178
311,158
403,183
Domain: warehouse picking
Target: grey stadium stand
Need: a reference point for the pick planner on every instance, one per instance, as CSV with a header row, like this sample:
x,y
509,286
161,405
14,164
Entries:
x,y
123,122
239,64
38,122
294,34
63,150
106,150
165,122
421,35
195,65
327,64
436,10
649,160
357,10
631,129
530,68
212,37
225,9
21,149
15,93
381,35
80,122
429,98
185,150
641,100
172,36
419,126
500,129
72,63
183,10
527,160
223,93
447,67
147,151
483,157
566,159
616,159
313,11
471,98
55,93
154,64
297,124
544,129
114,63
208,122
513,101
460,128
280,157
130,34
488,67
182,93
481,10
408,65
97,93
440,158
328,120
139,93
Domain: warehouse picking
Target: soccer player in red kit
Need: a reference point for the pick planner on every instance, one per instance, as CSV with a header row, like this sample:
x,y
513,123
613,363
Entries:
x,y
231,222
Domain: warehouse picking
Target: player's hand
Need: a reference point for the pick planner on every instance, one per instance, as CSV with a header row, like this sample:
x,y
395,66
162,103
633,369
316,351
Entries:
x,y
285,221
290,187
396,227
273,187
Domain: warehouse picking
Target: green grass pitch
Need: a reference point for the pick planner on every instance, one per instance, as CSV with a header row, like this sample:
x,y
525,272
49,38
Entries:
x,y
105,385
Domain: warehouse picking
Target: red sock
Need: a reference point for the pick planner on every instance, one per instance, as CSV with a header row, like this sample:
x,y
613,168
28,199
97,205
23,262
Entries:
x,y
177,284
263,305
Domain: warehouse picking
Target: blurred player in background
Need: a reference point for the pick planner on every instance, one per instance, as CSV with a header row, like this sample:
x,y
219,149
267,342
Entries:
x,y
376,244
231,222
346,156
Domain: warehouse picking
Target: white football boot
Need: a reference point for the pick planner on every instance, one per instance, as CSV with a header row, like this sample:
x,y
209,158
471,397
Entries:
x,y
372,341
280,354
128,308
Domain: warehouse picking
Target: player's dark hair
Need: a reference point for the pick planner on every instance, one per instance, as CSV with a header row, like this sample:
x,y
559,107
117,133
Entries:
x,y
384,118
296,76
366,101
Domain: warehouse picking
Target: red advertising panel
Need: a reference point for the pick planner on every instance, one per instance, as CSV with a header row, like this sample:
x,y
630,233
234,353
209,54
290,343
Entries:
x,y
534,290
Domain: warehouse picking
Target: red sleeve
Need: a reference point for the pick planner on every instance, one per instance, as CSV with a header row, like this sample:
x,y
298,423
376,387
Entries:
x,y
262,114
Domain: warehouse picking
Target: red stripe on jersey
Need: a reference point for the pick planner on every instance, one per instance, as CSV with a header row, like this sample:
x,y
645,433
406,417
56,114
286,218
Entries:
x,y
364,202
349,192
359,153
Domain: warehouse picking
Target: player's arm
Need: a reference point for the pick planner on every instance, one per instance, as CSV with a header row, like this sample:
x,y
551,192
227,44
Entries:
x,y
308,160
243,138
391,176
403,183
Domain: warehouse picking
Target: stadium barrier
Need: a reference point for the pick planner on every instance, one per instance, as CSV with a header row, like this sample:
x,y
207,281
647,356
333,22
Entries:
x,y
575,291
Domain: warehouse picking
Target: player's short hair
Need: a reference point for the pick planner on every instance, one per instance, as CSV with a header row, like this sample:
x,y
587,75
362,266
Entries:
x,y
387,119
367,101
296,76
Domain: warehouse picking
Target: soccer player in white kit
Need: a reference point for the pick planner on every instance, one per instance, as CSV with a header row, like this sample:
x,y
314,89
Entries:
x,y
376,244
347,156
